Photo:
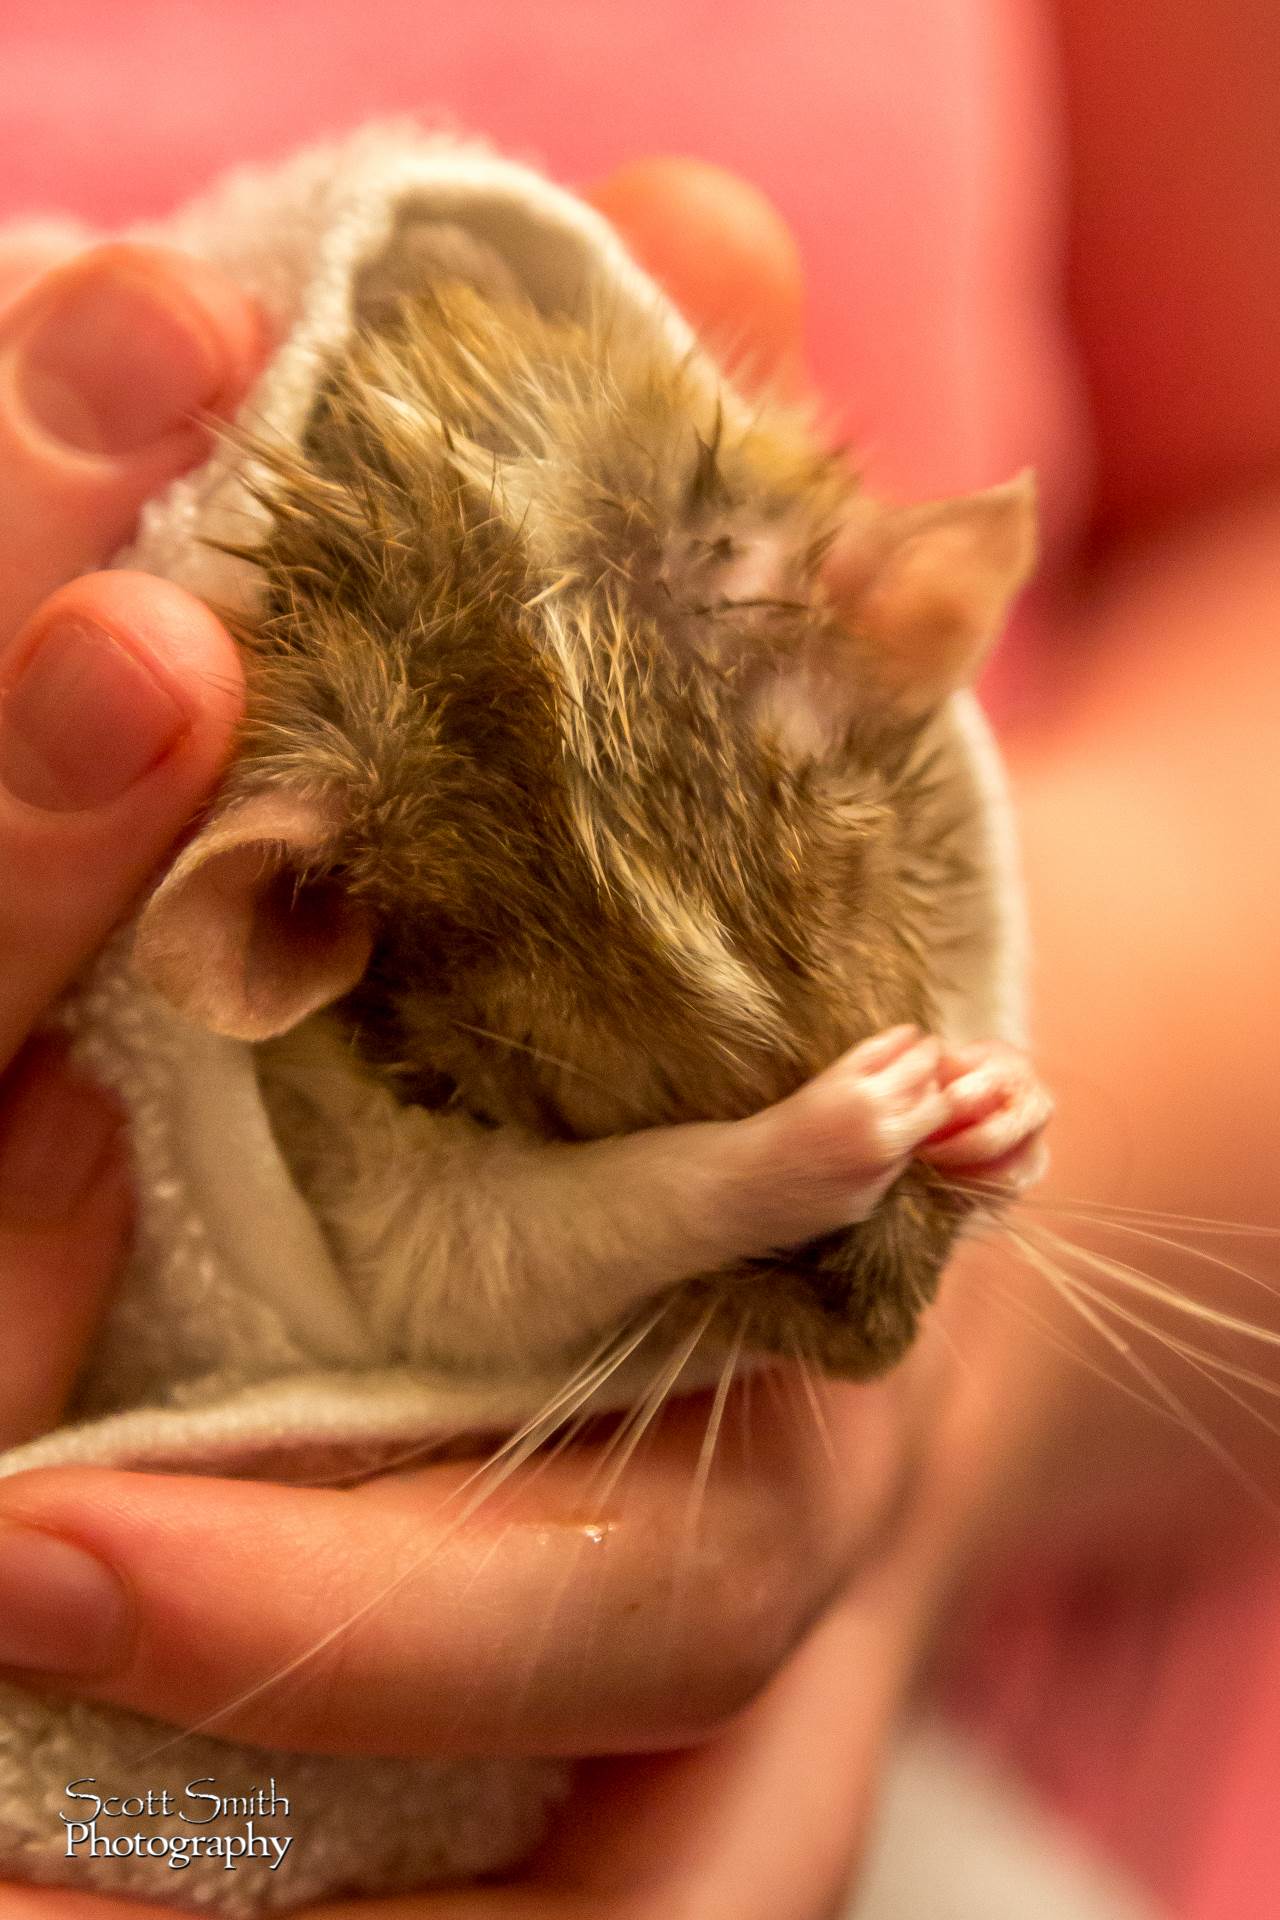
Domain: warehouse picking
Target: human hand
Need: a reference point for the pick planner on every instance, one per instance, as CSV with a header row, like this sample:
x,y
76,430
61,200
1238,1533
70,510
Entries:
x,y
118,695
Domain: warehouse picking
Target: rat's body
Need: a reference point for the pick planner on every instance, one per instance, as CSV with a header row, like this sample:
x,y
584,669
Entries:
x,y
595,819
607,924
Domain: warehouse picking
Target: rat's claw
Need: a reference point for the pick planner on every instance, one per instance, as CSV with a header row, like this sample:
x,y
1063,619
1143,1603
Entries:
x,y
999,1111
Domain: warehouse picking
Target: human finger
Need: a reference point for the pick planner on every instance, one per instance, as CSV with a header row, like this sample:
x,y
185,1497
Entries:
x,y
29,251
64,1214
569,1615
109,366
118,703
722,251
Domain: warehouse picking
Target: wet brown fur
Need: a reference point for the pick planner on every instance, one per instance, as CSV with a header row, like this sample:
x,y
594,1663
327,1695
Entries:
x,y
505,627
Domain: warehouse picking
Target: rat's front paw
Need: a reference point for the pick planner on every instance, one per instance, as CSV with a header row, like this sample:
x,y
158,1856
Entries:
x,y
822,1158
999,1114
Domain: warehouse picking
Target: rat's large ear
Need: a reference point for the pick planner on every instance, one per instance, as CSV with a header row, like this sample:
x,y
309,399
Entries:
x,y
929,587
241,935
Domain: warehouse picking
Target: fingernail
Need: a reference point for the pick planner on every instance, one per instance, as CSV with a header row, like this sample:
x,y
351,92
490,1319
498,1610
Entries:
x,y
82,718
122,353
55,1133
61,1610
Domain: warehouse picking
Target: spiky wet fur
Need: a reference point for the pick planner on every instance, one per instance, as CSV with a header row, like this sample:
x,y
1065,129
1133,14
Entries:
x,y
543,615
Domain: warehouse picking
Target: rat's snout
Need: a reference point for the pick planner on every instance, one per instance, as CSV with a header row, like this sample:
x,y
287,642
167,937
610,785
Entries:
x,y
853,1299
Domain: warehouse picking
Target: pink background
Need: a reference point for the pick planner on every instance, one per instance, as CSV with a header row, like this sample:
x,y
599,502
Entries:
x,y
910,147
914,147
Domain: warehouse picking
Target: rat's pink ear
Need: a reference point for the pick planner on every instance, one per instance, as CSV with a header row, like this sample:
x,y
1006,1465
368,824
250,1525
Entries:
x,y
240,936
929,587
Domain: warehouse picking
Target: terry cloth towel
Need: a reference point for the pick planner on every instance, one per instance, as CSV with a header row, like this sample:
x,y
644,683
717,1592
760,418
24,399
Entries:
x,y
234,1345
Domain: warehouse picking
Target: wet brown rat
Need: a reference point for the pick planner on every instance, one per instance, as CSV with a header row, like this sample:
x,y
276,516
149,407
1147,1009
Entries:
x,y
590,879
579,898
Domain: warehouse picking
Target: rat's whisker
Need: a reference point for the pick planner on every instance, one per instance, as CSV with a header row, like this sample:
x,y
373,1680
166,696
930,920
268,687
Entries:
x,y
1092,1307
1212,1365
487,1478
1021,1308
933,1326
1016,1305
608,1352
545,1059
711,1437
598,1486
651,1405
621,1448
541,1638
1109,1213
1168,1296
1100,1223
807,1373
578,1393
750,1380
683,1558
1208,1365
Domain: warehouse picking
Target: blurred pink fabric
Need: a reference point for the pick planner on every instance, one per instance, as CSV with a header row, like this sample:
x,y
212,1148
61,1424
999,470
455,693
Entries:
x,y
1145,1712
916,152
885,134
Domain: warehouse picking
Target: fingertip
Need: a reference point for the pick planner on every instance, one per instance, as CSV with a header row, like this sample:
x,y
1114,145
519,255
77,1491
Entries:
x,y
112,367
177,635
125,345
119,702
31,249
210,303
723,252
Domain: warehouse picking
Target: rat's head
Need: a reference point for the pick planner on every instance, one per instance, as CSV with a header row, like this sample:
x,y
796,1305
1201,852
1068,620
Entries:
x,y
568,782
